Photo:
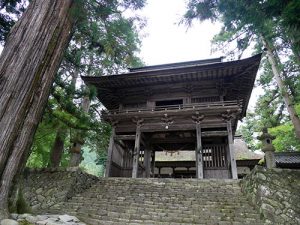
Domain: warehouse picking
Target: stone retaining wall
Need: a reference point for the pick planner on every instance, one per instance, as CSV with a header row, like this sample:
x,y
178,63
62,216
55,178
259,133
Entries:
x,y
46,187
276,192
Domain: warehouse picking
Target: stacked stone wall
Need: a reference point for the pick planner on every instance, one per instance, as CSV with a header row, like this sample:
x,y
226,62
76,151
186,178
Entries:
x,y
275,192
46,187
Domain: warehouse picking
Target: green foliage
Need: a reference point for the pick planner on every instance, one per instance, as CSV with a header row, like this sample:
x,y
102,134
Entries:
x,y
261,162
283,131
244,23
247,130
285,138
10,11
43,142
25,222
89,164
104,42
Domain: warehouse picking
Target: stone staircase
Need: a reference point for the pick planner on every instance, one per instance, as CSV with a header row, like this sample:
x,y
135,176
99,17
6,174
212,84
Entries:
x,y
122,201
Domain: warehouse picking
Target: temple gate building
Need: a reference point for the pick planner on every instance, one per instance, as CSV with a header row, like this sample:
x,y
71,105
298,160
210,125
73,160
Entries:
x,y
189,106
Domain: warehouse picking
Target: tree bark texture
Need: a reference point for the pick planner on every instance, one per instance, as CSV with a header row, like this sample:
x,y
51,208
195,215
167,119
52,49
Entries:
x,y
287,100
28,64
76,157
57,148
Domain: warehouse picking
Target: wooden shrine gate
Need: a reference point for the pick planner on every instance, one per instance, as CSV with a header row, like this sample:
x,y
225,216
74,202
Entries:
x,y
192,105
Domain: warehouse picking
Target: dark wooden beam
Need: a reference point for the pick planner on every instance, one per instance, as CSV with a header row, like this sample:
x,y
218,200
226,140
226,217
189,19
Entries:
x,y
162,164
173,140
147,160
109,153
153,163
214,133
231,153
125,137
207,109
155,127
121,143
136,152
199,157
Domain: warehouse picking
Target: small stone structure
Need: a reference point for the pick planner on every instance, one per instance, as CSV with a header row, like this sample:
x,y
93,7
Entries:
x,y
268,148
46,187
42,220
276,193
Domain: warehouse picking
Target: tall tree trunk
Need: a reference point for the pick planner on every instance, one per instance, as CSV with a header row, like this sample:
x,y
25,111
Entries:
x,y
75,150
285,76
58,148
283,90
28,63
295,45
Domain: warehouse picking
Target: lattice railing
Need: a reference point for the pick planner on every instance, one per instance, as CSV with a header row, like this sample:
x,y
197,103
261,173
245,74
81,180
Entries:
x,y
215,156
177,107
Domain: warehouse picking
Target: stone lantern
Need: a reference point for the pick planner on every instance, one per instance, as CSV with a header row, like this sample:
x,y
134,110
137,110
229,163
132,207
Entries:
x,y
268,148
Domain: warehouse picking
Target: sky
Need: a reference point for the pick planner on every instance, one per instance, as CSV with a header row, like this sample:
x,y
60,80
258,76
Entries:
x,y
168,42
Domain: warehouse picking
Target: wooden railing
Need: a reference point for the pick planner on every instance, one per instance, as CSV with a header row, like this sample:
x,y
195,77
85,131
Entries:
x,y
177,107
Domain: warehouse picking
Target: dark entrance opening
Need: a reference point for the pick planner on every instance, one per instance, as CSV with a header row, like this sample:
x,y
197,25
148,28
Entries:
x,y
169,102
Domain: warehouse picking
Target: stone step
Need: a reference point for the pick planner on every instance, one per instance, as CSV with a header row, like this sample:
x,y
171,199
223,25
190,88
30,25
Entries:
x,y
161,201
165,197
240,206
181,221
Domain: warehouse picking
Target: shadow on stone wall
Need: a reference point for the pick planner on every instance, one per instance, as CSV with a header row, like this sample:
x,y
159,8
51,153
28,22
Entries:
x,y
46,187
276,192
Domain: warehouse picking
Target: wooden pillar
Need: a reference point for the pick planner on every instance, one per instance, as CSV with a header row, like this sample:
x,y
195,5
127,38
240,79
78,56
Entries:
x,y
153,163
231,151
129,163
110,153
147,161
136,152
125,160
199,155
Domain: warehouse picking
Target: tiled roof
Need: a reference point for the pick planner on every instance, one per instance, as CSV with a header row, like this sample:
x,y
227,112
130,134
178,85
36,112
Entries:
x,y
287,158
176,65
241,151
240,72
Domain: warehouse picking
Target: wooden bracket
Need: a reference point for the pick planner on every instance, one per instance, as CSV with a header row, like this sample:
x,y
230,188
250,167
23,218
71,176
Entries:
x,y
168,120
138,121
197,118
229,114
